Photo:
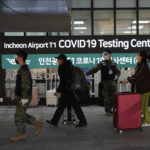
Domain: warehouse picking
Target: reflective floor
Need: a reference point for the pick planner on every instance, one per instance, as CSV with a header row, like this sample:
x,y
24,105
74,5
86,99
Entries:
x,y
98,135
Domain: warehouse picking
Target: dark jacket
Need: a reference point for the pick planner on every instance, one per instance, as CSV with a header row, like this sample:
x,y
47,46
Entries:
x,y
141,78
65,74
23,82
105,66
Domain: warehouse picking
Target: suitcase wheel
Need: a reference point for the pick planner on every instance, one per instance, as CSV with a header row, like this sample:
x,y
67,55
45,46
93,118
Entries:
x,y
121,131
64,122
74,122
115,129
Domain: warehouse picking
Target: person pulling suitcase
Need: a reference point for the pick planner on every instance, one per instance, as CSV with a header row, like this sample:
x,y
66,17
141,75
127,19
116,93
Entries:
x,y
67,95
141,80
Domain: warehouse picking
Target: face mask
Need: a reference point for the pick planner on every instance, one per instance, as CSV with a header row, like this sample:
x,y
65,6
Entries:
x,y
57,63
16,61
106,57
137,59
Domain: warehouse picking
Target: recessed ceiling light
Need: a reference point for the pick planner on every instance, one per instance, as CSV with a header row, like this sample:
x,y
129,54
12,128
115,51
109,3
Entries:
x,y
141,21
78,22
80,28
134,27
81,32
129,32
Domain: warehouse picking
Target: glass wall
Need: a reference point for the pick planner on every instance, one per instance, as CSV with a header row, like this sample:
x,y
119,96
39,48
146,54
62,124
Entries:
x,y
144,3
144,21
81,3
14,34
103,22
35,33
93,17
126,3
125,22
104,17
113,17
81,22
103,4
58,33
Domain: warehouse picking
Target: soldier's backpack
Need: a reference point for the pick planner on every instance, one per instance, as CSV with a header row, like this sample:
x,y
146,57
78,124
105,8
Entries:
x,y
78,78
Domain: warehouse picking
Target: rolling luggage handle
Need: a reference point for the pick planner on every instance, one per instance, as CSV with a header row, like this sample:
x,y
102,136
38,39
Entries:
x,y
69,117
115,121
115,111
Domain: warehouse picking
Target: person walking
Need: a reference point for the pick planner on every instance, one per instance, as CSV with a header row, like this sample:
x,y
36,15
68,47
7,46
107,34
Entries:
x,y
67,96
23,97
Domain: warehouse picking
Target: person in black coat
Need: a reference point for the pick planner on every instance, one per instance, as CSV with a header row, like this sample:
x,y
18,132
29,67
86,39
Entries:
x,y
66,93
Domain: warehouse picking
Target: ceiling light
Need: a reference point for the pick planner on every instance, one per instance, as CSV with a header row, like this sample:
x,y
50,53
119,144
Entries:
x,y
134,27
81,32
129,32
141,21
80,28
78,22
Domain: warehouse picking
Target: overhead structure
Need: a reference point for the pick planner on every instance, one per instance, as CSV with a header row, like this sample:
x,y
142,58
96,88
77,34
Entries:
x,y
35,16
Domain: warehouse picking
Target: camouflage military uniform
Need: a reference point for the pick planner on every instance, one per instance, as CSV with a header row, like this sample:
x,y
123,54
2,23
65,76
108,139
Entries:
x,y
109,88
109,81
23,91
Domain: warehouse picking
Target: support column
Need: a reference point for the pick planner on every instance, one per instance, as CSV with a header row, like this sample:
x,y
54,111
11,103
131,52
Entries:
x,y
2,90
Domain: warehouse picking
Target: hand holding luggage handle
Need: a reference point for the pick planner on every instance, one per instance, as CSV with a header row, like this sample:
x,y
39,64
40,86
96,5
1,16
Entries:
x,y
127,87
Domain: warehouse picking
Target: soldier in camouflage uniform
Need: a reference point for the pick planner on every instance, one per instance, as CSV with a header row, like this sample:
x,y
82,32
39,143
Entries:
x,y
109,76
23,97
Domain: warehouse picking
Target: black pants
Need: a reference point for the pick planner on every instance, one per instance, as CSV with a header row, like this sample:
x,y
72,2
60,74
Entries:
x,y
65,100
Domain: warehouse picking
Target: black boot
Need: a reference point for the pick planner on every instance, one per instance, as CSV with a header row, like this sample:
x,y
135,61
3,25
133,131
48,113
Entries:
x,y
51,123
81,124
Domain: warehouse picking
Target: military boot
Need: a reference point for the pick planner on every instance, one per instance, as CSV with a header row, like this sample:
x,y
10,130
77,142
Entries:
x,y
19,137
38,126
108,114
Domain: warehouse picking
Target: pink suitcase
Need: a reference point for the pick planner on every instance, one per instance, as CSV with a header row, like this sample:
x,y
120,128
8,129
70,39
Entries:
x,y
35,97
127,111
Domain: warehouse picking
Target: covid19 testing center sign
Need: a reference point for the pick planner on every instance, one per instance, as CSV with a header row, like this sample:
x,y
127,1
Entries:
x,y
83,51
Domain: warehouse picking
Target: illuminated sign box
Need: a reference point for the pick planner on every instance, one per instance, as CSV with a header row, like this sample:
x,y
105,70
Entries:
x,y
82,60
75,44
84,51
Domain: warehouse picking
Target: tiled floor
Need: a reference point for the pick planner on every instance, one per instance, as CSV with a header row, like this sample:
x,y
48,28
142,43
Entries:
x,y
98,135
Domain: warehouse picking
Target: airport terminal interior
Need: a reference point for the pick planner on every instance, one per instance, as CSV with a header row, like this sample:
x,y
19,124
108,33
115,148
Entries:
x,y
83,30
